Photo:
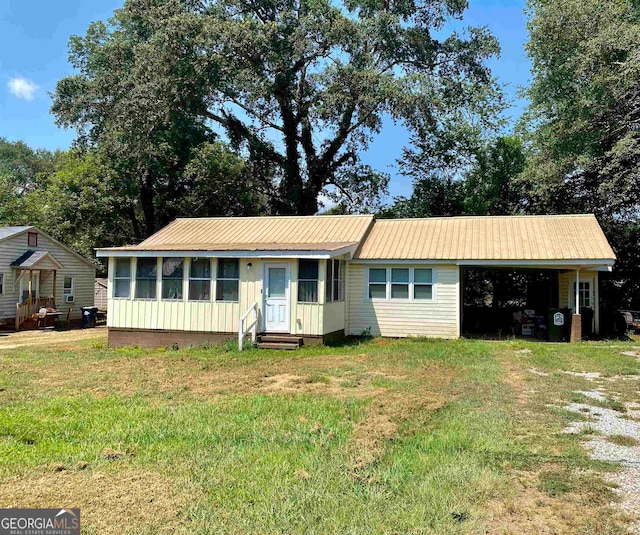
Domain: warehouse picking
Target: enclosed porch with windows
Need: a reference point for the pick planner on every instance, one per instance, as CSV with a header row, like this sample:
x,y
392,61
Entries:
x,y
191,300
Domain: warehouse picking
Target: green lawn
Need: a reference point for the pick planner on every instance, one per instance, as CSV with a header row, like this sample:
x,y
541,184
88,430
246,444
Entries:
x,y
416,436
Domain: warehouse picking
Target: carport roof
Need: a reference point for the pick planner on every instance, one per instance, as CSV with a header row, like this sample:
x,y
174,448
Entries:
x,y
574,238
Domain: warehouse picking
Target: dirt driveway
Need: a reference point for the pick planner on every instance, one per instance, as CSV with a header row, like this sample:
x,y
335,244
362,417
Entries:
x,y
48,337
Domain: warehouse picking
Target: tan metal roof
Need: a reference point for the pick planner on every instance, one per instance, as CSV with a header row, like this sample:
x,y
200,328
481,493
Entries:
x,y
293,233
573,237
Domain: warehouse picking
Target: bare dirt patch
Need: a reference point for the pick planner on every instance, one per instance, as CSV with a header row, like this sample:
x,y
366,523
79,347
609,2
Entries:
x,y
515,379
109,503
48,337
530,510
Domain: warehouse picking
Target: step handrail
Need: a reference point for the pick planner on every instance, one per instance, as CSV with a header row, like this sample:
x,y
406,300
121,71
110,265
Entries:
x,y
253,327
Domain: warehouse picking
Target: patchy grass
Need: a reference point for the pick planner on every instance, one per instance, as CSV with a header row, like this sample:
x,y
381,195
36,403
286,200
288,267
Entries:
x,y
425,436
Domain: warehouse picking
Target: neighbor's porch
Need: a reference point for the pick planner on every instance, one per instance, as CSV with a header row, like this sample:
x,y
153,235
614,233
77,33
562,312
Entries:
x,y
36,282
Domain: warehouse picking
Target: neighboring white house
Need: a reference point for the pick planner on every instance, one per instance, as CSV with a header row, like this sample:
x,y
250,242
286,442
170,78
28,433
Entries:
x,y
100,294
38,271
321,277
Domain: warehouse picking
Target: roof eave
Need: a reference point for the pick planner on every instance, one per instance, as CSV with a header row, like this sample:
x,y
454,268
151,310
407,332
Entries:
x,y
319,254
602,264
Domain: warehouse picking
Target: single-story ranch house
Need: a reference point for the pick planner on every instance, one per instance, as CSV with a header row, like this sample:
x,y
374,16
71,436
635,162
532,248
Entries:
x,y
296,279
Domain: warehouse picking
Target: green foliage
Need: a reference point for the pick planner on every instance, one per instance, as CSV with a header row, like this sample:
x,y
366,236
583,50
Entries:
x,y
23,172
487,185
300,87
584,119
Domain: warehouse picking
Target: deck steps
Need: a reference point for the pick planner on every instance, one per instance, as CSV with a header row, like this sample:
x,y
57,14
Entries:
x,y
279,341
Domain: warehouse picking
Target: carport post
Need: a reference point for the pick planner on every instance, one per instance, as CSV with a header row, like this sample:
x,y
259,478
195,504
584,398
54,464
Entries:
x,y
577,296
576,320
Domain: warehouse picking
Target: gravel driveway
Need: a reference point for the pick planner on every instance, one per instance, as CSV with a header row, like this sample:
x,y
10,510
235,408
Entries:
x,y
609,426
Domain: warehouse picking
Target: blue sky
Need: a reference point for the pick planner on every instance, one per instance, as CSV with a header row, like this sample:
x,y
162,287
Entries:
x,y
34,37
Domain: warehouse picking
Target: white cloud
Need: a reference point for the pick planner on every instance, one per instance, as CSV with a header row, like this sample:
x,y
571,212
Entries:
x,y
23,88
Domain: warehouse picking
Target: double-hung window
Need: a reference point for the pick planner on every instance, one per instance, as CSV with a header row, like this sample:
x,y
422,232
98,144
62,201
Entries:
x,y
334,283
228,281
377,283
400,283
423,284
308,281
172,276
122,278
146,278
200,279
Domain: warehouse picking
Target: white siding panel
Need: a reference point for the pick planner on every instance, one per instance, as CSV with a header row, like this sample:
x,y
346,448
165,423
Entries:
x,y
306,318
437,318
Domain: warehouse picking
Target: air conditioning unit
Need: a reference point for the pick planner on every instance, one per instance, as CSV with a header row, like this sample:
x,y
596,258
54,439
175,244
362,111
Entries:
x,y
69,298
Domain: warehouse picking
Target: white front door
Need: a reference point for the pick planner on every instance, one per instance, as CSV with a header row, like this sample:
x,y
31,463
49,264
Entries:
x,y
276,298
24,285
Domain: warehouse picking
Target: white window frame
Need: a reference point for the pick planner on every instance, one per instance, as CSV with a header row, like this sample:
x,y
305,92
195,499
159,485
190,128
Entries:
x,y
411,284
116,278
584,293
70,292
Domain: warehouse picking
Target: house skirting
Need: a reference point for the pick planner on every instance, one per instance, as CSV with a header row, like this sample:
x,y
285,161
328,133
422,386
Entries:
x,y
119,337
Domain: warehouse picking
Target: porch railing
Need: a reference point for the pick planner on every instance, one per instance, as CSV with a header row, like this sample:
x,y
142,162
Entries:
x,y
252,327
31,306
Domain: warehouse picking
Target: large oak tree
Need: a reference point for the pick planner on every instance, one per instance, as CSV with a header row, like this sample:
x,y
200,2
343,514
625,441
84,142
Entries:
x,y
300,86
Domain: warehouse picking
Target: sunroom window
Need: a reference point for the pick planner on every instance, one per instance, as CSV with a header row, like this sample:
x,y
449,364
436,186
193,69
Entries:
x,y
122,278
334,282
228,282
172,275
146,278
200,279
308,281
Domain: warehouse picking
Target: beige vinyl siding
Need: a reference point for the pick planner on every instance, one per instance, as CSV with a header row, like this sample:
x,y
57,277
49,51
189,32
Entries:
x,y
73,266
563,290
334,317
403,318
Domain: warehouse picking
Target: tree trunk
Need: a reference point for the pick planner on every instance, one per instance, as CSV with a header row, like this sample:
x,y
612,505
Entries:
x,y
148,209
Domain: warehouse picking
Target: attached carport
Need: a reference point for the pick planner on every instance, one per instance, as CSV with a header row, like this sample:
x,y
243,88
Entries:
x,y
557,299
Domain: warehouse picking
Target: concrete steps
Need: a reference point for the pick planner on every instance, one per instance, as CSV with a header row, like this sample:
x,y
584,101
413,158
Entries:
x,y
279,341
